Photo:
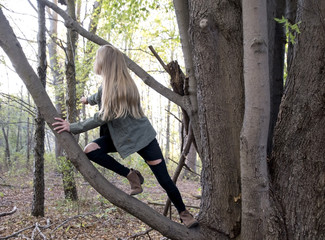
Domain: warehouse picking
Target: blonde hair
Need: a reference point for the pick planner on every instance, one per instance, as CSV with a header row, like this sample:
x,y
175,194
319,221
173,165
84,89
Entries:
x,y
120,95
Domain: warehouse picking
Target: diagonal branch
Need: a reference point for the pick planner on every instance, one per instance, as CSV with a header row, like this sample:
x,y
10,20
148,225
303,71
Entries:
x,y
146,78
170,229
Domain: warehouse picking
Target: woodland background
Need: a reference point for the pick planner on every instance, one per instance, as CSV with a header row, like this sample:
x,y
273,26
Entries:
x,y
131,26
251,91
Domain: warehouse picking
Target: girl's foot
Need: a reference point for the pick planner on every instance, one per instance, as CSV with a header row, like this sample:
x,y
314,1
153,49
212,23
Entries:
x,y
135,179
188,220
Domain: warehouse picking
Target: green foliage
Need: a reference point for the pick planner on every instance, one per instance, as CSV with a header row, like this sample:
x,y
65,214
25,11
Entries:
x,y
291,29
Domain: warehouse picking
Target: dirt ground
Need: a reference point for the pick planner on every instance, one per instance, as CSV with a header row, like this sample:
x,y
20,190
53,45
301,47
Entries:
x,y
91,217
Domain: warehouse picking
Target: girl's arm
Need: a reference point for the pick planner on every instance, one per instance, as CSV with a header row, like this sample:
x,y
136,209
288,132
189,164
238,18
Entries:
x,y
93,99
78,127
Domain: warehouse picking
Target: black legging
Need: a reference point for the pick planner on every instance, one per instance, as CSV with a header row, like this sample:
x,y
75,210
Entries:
x,y
149,153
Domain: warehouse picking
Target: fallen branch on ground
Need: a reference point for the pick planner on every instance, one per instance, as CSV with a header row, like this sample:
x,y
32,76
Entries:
x,y
141,234
9,213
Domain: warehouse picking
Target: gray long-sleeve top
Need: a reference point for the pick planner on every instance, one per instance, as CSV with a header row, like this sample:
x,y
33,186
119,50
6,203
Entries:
x,y
129,134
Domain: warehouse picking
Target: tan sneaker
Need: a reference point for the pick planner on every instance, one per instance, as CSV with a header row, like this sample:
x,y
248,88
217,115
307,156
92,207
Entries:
x,y
188,220
135,179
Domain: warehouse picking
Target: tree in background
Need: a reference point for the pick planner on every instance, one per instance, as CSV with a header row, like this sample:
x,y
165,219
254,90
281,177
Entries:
x,y
38,183
69,184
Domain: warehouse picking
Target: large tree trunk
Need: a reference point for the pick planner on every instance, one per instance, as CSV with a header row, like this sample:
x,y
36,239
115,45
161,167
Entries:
x,y
38,183
216,34
298,157
254,135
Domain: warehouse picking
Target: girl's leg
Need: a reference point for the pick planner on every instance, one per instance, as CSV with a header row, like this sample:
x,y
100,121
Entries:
x,y
97,152
154,158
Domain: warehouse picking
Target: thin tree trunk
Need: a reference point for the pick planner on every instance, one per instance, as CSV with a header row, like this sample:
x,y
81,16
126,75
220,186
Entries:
x,y
191,163
7,148
38,183
254,135
57,75
167,133
28,137
182,16
69,184
18,140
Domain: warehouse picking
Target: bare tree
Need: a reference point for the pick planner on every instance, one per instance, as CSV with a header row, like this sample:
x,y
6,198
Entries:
x,y
69,184
38,183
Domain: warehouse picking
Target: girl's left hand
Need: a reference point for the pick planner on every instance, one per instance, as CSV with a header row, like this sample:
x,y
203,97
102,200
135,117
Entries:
x,y
62,125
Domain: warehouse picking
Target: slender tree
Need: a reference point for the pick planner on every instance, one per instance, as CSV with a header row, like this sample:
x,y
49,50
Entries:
x,y
38,183
57,75
69,184
254,135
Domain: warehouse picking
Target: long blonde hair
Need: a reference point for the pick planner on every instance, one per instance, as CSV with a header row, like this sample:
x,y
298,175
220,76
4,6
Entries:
x,y
120,95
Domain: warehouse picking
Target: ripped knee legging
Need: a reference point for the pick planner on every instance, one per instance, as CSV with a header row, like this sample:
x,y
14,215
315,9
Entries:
x,y
149,153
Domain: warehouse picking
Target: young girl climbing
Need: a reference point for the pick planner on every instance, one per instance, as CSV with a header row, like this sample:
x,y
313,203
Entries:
x,y
123,128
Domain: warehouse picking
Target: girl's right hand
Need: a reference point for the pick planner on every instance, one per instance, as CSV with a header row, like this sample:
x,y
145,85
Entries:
x,y
61,125
84,100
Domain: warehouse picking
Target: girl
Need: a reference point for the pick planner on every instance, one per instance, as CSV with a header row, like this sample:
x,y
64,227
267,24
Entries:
x,y
123,128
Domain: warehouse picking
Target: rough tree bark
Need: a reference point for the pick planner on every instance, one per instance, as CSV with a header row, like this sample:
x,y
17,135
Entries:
x,y
28,137
182,16
69,184
38,183
168,228
254,135
56,74
216,35
7,147
298,162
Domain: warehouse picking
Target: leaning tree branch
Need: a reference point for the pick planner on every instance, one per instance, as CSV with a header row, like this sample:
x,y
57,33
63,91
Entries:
x,y
142,74
132,205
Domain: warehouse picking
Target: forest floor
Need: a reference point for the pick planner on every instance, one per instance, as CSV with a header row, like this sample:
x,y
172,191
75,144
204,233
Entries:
x,y
91,217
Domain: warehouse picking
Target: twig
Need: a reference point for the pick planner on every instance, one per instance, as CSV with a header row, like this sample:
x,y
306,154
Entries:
x,y
186,166
16,233
173,115
69,219
9,213
163,204
159,59
141,234
39,231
